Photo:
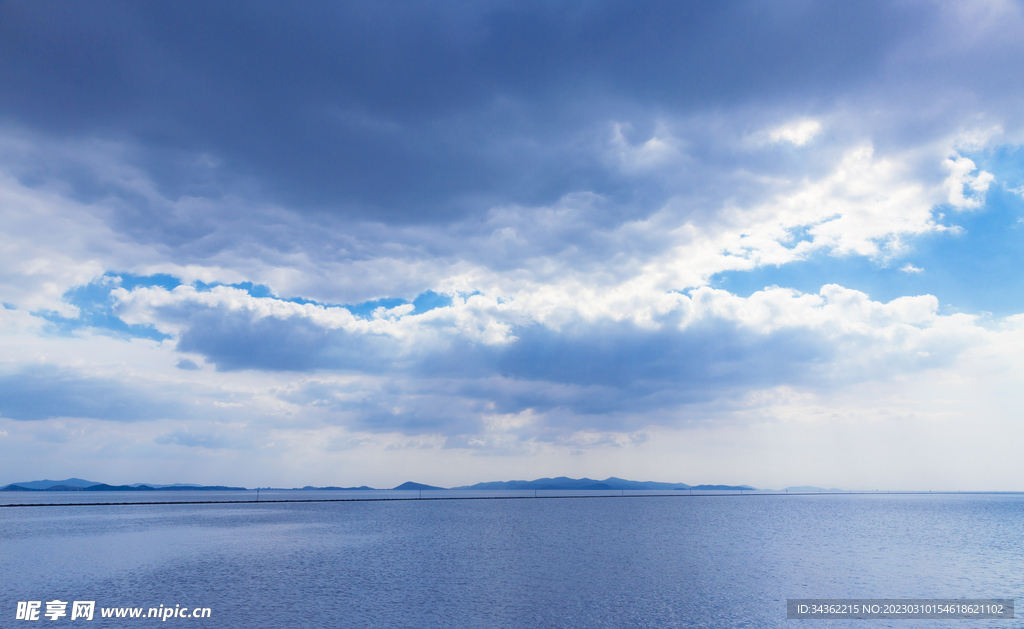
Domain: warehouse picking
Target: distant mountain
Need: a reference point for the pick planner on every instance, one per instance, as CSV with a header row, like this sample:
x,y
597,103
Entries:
x,y
722,487
104,487
46,484
77,484
621,483
563,483
414,486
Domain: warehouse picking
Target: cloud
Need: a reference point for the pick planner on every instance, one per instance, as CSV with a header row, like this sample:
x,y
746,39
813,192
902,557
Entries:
x,y
586,367
187,365
960,179
241,342
395,139
658,150
45,393
191,440
360,124
910,268
798,132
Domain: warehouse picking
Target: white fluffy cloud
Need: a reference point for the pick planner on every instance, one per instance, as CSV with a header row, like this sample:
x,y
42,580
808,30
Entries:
x,y
961,180
798,132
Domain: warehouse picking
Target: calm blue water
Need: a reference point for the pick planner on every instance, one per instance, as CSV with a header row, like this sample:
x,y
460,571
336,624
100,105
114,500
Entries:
x,y
708,561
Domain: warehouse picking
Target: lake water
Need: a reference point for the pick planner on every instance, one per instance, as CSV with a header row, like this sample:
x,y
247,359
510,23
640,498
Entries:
x,y
652,561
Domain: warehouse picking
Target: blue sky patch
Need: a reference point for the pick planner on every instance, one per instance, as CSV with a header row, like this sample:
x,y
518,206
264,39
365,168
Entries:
x,y
131,282
972,270
424,302
260,291
96,306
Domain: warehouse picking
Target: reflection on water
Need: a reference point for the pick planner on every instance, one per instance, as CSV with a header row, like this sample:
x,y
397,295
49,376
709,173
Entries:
x,y
706,561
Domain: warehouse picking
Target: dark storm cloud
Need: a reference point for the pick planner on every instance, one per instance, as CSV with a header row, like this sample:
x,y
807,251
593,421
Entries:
x,y
237,341
602,375
47,393
608,371
702,356
608,354
409,111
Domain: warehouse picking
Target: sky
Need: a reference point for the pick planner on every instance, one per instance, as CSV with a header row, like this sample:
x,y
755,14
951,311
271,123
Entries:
x,y
349,243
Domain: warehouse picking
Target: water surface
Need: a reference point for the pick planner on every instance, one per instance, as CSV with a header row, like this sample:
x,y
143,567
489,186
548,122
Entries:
x,y
654,561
